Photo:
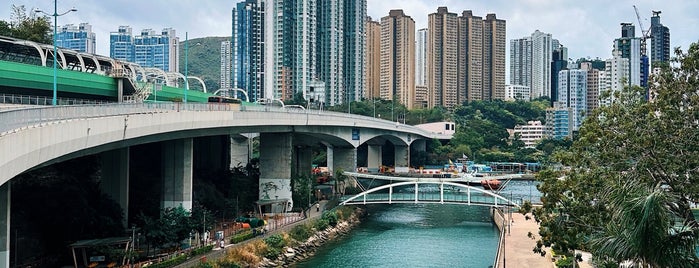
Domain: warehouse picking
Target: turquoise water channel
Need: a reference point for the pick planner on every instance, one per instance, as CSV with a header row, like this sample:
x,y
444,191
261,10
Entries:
x,y
415,235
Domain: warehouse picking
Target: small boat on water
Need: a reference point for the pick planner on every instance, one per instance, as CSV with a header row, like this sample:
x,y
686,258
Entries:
x,y
492,184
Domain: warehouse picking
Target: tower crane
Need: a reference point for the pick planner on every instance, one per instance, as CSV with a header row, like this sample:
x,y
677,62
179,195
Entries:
x,y
645,33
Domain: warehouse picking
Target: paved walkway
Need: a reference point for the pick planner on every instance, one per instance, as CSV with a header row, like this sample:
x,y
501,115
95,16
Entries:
x,y
518,247
219,252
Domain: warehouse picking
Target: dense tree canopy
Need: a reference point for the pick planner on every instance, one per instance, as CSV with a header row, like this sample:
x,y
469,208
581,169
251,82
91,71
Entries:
x,y
633,171
27,26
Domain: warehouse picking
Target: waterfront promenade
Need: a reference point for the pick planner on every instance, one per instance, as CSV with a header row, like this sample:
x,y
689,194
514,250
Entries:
x,y
518,246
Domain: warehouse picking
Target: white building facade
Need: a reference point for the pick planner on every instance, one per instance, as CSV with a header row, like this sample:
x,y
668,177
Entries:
x,y
517,92
531,133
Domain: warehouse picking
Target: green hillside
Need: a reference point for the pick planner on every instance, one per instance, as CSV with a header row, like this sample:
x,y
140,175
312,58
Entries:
x,y
204,60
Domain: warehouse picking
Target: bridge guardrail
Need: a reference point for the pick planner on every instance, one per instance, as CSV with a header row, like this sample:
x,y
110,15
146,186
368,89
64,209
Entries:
x,y
15,119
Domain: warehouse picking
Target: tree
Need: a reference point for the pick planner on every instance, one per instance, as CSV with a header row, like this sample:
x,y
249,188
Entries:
x,y
651,145
643,229
26,27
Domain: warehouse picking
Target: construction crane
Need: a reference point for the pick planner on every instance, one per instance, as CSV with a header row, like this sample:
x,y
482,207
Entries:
x,y
645,33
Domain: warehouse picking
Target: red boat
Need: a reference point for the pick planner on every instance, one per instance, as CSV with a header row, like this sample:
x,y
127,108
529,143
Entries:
x,y
491,184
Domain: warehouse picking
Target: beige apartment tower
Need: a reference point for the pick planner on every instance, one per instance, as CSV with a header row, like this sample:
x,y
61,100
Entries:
x,y
442,64
470,83
466,58
397,77
372,65
494,41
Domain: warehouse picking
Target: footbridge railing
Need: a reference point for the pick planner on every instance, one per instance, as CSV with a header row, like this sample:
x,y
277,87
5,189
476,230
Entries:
x,y
428,190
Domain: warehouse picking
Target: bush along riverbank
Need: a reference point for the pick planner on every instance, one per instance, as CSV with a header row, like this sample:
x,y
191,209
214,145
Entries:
x,y
298,244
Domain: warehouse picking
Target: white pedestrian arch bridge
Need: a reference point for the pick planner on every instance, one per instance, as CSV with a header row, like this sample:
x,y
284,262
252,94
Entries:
x,y
410,190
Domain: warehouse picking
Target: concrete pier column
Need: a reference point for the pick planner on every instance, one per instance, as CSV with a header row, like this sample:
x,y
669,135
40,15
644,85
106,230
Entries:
x,y
374,158
402,156
115,178
342,158
302,161
275,168
177,173
240,151
5,206
211,152
419,145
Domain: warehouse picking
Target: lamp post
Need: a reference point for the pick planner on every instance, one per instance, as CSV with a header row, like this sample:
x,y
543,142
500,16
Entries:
x,y
55,49
186,65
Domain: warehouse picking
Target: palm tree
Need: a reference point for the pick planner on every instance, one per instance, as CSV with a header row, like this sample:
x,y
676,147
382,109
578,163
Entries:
x,y
648,228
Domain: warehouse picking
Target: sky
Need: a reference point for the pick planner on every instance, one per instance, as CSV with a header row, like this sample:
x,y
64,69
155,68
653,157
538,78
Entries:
x,y
587,28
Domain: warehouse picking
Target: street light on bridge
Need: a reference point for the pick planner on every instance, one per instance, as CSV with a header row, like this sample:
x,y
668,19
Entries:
x,y
55,16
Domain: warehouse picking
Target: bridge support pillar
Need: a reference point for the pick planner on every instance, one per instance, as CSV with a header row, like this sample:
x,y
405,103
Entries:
x,y
402,156
5,225
275,168
115,178
374,158
302,161
177,173
210,152
342,158
240,150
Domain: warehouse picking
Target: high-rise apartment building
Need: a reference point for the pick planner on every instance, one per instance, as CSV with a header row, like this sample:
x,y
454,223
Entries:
x,y
470,58
595,84
398,58
226,60
572,93
521,61
530,62
340,49
559,124
149,49
290,50
660,40
442,61
121,46
247,60
630,48
80,38
466,58
559,61
541,64
373,59
330,50
421,57
494,46
616,73
158,50
355,40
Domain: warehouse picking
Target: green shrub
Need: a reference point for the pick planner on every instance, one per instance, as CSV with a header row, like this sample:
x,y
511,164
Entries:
x,y
242,237
330,217
321,224
201,250
275,241
171,262
228,264
272,253
300,232
205,265
565,262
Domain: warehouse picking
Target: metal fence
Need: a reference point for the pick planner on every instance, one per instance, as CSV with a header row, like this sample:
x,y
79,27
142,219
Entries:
x,y
42,100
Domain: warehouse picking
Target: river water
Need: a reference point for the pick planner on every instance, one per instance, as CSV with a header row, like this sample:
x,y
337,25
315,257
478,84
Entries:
x,y
421,235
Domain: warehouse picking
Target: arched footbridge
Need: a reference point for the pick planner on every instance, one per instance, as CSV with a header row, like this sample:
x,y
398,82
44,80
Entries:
x,y
422,190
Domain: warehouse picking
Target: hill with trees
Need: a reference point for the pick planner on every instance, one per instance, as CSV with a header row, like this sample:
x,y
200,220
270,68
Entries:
x,y
204,61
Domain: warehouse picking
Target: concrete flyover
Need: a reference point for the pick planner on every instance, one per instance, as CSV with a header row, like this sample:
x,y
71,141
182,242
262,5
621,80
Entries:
x,y
36,137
